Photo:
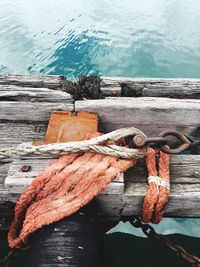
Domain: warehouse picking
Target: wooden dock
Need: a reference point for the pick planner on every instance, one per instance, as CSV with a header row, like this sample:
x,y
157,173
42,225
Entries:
x,y
151,105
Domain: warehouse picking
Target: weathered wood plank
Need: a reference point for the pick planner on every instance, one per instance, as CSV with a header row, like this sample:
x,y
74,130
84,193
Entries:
x,y
5,195
19,184
185,194
12,133
153,87
146,113
47,81
17,93
184,201
185,169
4,168
17,180
30,111
160,87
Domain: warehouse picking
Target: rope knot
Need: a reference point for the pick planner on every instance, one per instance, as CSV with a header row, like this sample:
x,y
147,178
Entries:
x,y
159,181
159,186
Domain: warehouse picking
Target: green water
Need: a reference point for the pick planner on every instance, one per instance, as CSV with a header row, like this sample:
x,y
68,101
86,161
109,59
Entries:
x,y
146,38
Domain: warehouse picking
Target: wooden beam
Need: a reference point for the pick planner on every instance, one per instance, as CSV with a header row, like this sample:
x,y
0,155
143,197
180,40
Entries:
x,y
4,168
117,86
47,81
5,195
184,201
149,114
13,133
17,180
31,104
30,111
185,169
152,87
32,94
127,199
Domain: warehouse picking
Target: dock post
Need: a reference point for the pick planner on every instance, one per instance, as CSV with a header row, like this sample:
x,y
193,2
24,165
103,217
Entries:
x,y
74,241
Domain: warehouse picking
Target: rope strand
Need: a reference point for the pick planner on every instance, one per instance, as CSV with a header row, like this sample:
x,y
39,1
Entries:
x,y
159,188
96,144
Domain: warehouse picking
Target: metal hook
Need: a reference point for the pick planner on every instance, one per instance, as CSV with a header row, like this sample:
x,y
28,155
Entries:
x,y
181,137
142,140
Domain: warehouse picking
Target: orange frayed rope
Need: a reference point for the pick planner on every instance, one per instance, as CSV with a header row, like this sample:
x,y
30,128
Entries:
x,y
159,187
71,182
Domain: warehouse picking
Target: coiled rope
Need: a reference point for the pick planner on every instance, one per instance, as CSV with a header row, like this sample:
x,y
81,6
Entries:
x,y
68,183
73,180
159,187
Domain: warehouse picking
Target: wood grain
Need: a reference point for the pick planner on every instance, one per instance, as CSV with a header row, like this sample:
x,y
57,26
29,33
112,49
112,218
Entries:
x,y
116,200
149,114
17,180
13,133
30,111
153,87
47,81
32,94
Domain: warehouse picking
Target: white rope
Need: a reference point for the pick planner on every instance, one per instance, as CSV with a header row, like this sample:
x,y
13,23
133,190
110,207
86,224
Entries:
x,y
93,145
159,182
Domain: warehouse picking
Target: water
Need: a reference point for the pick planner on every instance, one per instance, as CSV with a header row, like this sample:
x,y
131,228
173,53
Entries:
x,y
146,38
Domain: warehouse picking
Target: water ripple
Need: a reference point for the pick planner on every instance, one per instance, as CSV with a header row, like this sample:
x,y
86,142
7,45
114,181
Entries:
x,y
130,38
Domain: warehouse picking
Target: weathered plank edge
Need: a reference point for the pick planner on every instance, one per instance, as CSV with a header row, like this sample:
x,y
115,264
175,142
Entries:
x,y
152,115
152,87
47,81
112,206
115,201
115,86
32,94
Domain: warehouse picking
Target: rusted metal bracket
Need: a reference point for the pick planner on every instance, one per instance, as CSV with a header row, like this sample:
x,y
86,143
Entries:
x,y
65,126
161,141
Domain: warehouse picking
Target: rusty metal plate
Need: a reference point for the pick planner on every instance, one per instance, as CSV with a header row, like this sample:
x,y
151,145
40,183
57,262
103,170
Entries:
x,y
65,126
